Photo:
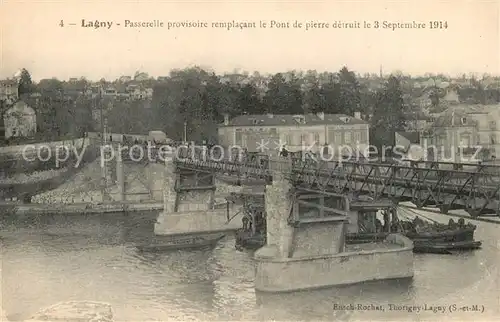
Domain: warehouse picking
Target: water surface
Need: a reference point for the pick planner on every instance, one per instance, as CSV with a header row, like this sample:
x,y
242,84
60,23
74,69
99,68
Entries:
x,y
58,258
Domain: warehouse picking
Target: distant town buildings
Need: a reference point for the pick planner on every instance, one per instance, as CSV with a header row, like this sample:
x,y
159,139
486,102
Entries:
x,y
462,129
9,90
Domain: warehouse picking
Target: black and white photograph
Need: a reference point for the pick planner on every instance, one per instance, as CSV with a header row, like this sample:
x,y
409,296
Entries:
x,y
249,161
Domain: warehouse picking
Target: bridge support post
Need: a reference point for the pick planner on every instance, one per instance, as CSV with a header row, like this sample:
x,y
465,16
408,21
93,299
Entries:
x,y
120,178
279,205
169,185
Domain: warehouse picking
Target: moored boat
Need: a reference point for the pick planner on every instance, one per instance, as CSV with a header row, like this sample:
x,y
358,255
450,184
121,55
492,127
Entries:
x,y
373,222
428,236
181,242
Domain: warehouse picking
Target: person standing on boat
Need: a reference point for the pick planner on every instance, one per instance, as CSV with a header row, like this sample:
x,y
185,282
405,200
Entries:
x,y
245,223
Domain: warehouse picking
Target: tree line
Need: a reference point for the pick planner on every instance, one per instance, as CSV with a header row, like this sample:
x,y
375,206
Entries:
x,y
197,100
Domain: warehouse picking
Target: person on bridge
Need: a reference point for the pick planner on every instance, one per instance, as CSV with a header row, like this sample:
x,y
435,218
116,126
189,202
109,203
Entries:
x,y
284,152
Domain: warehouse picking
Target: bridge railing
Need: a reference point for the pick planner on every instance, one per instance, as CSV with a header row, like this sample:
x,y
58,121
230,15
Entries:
x,y
479,174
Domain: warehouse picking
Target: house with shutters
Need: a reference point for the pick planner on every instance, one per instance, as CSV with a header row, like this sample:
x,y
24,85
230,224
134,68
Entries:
x,y
267,133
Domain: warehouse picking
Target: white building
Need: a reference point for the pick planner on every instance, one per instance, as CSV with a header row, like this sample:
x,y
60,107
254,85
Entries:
x,y
20,121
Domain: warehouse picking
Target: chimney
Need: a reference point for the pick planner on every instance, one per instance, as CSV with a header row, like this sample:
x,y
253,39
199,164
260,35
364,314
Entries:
x,y
321,115
226,119
357,115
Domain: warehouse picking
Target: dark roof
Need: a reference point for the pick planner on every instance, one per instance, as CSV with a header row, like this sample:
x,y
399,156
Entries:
x,y
413,137
453,118
289,119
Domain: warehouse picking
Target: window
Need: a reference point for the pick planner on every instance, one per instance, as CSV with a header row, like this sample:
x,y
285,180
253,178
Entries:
x,y
316,138
347,137
296,139
337,138
493,139
357,137
288,139
303,138
493,125
364,137
238,137
299,119
463,120
273,130
465,140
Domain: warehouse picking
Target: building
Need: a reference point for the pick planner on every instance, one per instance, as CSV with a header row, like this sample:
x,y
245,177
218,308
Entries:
x,y
9,90
404,142
487,118
95,90
110,92
141,76
453,133
19,121
267,133
125,79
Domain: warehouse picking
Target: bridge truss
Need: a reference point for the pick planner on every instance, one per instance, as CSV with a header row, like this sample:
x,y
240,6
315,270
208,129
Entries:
x,y
444,185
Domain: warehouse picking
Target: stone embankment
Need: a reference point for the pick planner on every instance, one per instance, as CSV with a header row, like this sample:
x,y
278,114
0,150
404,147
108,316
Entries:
x,y
32,177
84,187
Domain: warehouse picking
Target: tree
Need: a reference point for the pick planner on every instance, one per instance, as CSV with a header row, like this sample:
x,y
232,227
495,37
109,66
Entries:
x,y
283,97
350,96
389,114
248,100
434,96
25,83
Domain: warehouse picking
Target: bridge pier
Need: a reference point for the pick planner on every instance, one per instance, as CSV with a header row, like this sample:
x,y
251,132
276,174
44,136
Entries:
x,y
307,252
189,205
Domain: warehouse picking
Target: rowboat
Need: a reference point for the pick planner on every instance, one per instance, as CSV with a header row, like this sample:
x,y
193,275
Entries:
x,y
181,242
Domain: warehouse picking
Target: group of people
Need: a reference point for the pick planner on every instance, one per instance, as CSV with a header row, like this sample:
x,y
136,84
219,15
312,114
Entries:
x,y
260,222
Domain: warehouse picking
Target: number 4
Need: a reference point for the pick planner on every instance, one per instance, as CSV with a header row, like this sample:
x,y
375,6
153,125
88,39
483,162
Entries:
x,y
61,24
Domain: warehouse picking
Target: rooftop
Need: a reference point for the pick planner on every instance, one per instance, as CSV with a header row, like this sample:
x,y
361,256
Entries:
x,y
453,117
289,119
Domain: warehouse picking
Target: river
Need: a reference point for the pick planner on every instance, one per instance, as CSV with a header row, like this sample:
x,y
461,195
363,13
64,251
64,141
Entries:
x,y
58,258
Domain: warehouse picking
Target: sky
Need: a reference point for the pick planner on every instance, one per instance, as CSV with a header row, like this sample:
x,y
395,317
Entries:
x,y
31,37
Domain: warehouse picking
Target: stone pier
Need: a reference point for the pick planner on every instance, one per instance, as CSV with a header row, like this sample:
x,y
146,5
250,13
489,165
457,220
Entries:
x,y
189,205
306,252
134,180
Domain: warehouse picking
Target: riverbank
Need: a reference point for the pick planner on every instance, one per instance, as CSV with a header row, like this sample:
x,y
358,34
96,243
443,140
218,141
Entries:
x,y
78,208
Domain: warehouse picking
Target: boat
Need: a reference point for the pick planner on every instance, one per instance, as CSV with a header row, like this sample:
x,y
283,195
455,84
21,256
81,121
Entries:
x,y
252,235
182,242
428,236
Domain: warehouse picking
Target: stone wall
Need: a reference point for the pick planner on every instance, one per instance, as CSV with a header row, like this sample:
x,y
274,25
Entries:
x,y
291,274
195,200
318,239
195,222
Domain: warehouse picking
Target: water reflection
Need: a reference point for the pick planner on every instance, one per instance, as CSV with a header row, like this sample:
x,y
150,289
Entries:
x,y
93,258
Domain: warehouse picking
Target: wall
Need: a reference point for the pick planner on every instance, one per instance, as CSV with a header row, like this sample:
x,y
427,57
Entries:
x,y
317,239
195,200
196,222
118,137
448,139
292,274
18,149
